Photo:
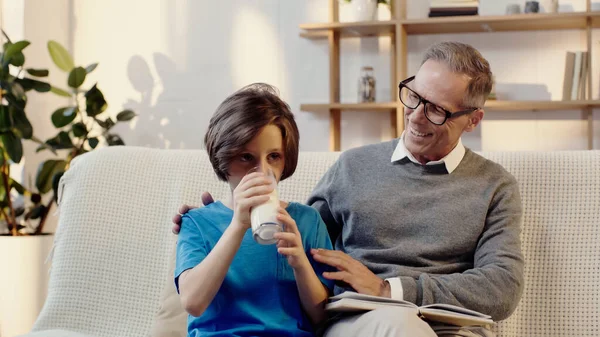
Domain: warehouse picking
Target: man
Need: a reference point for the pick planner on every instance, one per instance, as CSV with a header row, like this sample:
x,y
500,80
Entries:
x,y
422,218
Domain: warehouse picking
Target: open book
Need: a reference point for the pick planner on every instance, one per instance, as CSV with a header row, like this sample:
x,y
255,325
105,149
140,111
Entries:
x,y
444,313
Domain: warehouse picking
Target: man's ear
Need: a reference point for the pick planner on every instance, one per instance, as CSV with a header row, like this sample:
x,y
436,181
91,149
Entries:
x,y
474,119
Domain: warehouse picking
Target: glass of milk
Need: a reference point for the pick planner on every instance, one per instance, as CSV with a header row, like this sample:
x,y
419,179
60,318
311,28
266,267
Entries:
x,y
263,218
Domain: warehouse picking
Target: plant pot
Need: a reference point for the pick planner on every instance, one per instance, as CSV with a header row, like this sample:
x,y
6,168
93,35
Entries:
x,y
364,10
24,281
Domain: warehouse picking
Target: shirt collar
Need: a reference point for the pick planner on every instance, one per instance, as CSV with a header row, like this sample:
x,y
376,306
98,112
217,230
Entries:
x,y
451,160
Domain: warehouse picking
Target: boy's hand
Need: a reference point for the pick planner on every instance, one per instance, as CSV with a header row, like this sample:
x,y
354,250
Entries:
x,y
289,242
253,190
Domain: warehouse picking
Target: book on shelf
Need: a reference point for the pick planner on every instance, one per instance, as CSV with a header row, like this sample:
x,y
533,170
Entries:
x,y
575,76
444,313
439,8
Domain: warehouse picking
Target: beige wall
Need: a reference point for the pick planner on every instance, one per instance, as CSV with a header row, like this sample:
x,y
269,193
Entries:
x,y
174,61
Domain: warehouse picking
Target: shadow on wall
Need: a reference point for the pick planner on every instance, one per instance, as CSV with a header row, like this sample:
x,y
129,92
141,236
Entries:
x,y
161,114
180,85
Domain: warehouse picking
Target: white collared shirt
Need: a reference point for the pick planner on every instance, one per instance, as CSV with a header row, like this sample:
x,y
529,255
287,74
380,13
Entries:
x,y
451,161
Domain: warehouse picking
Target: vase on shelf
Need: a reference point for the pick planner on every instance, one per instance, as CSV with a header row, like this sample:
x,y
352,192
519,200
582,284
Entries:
x,y
366,85
364,10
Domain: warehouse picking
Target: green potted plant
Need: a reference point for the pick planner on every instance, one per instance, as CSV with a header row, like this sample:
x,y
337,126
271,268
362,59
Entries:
x,y
15,128
22,210
82,125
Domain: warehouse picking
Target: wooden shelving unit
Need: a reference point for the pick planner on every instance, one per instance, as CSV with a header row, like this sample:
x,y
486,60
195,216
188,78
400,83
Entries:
x,y
398,29
491,105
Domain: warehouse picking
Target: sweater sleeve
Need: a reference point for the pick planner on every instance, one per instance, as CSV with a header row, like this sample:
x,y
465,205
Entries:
x,y
495,283
321,199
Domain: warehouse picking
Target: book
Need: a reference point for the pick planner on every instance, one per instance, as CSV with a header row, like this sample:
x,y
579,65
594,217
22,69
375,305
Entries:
x,y
576,74
568,77
583,76
434,14
444,313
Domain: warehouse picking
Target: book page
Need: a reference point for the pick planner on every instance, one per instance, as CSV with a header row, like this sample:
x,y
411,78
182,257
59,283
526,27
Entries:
x,y
453,308
454,318
357,296
356,305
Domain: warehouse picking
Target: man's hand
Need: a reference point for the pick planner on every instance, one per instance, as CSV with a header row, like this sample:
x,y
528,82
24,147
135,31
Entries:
x,y
351,272
206,199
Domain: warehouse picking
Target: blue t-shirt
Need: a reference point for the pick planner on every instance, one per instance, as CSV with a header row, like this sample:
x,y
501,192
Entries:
x,y
258,296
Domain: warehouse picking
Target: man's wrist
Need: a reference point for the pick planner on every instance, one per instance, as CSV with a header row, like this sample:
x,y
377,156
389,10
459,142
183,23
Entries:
x,y
386,290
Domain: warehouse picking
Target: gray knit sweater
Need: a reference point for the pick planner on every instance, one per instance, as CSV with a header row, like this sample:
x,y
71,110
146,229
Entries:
x,y
451,238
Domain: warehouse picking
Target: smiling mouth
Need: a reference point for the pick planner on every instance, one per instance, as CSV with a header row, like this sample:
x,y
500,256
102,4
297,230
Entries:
x,y
419,134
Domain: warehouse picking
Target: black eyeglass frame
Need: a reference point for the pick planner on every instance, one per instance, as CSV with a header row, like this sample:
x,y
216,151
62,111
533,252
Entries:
x,y
449,114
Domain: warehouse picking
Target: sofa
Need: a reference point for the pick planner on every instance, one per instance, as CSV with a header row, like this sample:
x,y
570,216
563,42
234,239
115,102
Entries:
x,y
113,255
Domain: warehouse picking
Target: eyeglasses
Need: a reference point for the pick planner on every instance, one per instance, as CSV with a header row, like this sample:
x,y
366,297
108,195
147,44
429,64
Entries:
x,y
435,114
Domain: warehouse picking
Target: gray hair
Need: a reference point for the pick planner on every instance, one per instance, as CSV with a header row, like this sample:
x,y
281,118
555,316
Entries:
x,y
462,58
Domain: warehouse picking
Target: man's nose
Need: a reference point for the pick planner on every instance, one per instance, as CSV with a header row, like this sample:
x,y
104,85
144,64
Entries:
x,y
417,115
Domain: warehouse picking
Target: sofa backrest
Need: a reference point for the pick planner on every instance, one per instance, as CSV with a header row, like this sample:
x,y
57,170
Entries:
x,y
114,241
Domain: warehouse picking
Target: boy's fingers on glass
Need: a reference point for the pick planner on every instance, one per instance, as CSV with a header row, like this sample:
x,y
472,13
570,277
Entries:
x,y
255,181
254,201
262,190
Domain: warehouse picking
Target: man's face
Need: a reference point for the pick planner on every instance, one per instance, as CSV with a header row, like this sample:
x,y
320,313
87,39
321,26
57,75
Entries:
x,y
437,84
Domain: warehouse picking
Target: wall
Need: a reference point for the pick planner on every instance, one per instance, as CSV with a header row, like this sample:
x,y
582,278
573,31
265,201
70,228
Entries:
x,y
174,61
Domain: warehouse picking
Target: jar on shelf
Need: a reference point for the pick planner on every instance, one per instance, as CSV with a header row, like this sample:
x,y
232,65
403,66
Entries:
x,y
366,85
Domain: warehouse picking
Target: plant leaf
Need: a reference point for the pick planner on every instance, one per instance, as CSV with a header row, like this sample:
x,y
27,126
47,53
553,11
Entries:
x,y
60,92
40,86
79,130
17,103
35,198
95,103
6,123
63,116
107,124
93,142
60,56
60,142
29,83
21,122
13,49
113,139
91,67
46,172
38,72
37,212
17,60
18,187
76,77
18,91
125,115
55,182
13,146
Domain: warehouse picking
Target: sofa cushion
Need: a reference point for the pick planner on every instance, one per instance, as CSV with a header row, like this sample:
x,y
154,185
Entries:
x,y
114,243
171,319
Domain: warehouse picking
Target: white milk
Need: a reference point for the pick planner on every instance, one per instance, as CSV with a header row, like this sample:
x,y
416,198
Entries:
x,y
263,219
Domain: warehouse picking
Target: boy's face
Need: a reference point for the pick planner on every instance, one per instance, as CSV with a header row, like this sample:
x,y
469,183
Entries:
x,y
265,151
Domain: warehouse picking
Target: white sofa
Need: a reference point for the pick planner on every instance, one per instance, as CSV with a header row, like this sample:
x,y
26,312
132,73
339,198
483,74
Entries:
x,y
112,263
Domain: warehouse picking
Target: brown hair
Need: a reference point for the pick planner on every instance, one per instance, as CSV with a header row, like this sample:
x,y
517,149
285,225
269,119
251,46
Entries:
x,y
240,117
462,58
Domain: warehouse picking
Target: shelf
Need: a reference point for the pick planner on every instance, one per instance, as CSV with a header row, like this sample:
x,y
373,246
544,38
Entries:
x,y
388,106
491,105
457,24
349,29
498,23
540,105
